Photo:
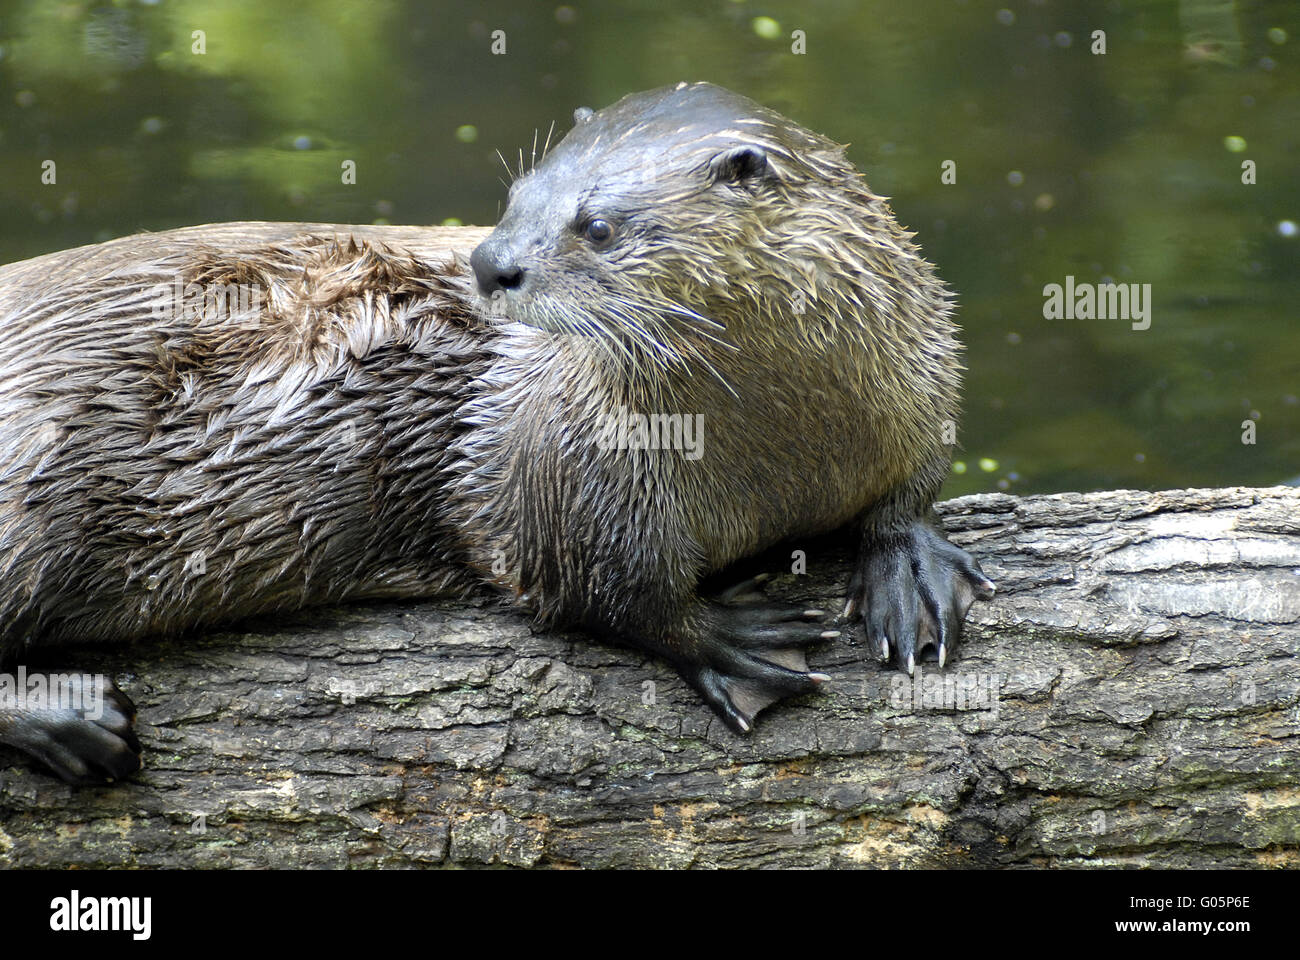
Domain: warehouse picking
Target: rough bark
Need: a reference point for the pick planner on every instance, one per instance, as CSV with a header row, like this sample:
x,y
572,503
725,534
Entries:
x,y
1132,697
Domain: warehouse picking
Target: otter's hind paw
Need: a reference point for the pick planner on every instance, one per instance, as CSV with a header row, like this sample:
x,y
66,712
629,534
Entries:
x,y
77,747
913,591
751,655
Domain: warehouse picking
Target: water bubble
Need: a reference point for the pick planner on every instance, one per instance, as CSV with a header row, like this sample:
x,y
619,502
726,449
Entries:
x,y
1235,144
1277,35
467,133
1015,178
1005,17
1287,228
302,143
988,464
766,27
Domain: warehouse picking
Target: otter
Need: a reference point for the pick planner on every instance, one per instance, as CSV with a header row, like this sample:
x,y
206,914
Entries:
x,y
399,413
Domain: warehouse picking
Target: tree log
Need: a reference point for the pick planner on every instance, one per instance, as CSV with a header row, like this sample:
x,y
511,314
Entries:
x,y
1131,697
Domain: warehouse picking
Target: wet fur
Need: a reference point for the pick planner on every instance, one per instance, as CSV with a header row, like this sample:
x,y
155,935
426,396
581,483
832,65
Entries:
x,y
371,433
301,451
811,417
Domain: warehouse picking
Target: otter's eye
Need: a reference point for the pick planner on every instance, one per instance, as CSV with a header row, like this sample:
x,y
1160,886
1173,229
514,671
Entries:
x,y
599,232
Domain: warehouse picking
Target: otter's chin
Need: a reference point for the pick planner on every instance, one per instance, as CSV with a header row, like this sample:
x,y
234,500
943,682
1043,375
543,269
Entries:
x,y
548,315
548,325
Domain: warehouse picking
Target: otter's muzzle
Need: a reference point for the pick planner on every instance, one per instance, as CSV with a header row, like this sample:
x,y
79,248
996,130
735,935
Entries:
x,y
495,267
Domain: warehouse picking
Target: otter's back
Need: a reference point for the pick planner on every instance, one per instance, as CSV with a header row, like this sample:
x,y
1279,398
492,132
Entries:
x,y
218,421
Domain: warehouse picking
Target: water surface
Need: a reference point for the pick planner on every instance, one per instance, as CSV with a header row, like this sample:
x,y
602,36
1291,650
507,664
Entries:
x,y
1121,167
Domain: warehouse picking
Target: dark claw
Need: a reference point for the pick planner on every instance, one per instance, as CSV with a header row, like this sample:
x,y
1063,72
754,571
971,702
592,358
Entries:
x,y
914,590
751,655
745,590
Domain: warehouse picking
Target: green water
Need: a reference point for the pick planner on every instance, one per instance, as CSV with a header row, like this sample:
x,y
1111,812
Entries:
x,y
1123,166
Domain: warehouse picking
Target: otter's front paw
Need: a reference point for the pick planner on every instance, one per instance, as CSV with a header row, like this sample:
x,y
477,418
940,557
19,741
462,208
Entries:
x,y
913,591
80,746
748,653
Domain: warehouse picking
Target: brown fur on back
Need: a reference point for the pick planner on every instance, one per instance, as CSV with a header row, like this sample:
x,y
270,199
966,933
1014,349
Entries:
x,y
160,472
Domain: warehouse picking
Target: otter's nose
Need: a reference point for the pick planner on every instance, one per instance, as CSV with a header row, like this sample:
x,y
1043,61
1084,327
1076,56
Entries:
x,y
495,268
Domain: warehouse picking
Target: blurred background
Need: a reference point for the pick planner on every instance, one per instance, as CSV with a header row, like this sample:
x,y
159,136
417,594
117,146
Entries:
x,y
1124,167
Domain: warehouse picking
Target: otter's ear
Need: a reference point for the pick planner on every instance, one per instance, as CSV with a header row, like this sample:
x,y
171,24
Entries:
x,y
745,165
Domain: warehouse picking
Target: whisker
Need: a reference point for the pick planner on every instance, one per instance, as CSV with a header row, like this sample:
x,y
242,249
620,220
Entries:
x,y
509,173
666,349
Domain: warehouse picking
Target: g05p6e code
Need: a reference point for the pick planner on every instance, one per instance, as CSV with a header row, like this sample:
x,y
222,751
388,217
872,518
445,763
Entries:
x,y
1219,902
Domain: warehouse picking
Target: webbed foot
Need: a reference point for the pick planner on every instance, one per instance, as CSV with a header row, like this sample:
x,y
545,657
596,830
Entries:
x,y
748,653
912,591
83,745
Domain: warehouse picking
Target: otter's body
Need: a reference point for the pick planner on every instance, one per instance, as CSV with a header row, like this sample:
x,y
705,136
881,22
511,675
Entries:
x,y
397,412
171,468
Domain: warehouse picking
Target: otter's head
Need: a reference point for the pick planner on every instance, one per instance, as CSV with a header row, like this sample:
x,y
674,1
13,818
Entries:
x,y
672,213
